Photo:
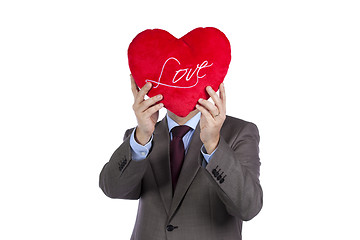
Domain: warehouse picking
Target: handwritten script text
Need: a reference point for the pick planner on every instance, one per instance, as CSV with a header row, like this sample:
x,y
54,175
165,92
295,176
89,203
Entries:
x,y
188,73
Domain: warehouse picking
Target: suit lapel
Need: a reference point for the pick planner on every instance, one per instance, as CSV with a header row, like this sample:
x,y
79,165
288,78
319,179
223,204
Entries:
x,y
160,162
189,169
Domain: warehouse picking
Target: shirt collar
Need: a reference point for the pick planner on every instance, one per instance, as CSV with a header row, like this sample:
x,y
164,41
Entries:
x,y
191,123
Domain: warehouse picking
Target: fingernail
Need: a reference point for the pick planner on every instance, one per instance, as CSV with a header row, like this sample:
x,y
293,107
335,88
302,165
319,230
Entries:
x,y
200,99
161,104
159,96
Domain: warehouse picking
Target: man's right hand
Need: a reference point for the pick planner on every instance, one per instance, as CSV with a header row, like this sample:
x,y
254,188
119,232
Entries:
x,y
146,111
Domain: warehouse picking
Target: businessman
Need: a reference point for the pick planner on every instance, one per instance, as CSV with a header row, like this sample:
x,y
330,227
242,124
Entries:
x,y
196,177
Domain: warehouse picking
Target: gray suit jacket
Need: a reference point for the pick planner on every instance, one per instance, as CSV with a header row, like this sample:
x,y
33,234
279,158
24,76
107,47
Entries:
x,y
208,203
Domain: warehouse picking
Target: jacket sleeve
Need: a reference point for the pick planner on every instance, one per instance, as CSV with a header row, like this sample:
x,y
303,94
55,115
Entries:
x,y
121,177
235,169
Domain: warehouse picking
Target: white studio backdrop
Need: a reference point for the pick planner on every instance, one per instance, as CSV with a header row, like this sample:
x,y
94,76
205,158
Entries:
x,y
65,103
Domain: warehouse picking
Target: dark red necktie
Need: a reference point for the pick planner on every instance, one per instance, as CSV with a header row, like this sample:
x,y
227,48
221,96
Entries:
x,y
177,152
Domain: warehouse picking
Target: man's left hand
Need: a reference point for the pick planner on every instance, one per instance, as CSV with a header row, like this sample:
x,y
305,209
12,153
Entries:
x,y
212,117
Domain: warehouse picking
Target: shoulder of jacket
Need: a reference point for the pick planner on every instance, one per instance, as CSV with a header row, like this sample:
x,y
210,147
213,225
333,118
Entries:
x,y
233,121
129,131
237,125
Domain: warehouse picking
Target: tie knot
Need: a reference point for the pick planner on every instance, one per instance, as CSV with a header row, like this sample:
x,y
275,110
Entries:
x,y
180,131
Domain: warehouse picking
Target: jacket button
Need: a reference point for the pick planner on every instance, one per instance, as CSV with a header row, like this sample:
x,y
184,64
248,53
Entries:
x,y
222,180
170,228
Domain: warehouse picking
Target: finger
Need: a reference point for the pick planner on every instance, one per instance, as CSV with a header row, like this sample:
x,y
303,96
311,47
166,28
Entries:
x,y
153,109
143,91
209,107
134,87
223,95
215,98
149,102
205,113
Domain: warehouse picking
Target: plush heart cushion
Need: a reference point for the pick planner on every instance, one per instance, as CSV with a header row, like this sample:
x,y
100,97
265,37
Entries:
x,y
180,69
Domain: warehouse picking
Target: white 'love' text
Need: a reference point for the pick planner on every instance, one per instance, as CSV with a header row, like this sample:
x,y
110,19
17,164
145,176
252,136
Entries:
x,y
182,72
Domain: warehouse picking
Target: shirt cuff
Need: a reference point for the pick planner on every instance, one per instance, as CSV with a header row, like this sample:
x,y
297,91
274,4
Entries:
x,y
138,151
206,156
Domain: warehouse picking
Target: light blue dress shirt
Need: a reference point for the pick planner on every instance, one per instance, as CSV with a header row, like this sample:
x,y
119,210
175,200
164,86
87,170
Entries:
x,y
140,152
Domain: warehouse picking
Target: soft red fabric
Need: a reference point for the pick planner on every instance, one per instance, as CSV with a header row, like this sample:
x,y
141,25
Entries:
x,y
180,69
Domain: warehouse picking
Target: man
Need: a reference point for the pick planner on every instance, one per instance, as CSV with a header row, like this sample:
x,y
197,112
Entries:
x,y
217,185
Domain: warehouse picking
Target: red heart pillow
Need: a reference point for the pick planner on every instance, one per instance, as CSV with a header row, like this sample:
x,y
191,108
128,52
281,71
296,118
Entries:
x,y
180,69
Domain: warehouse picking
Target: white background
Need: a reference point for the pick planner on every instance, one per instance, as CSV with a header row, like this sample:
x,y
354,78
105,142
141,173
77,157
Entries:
x,y
65,103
